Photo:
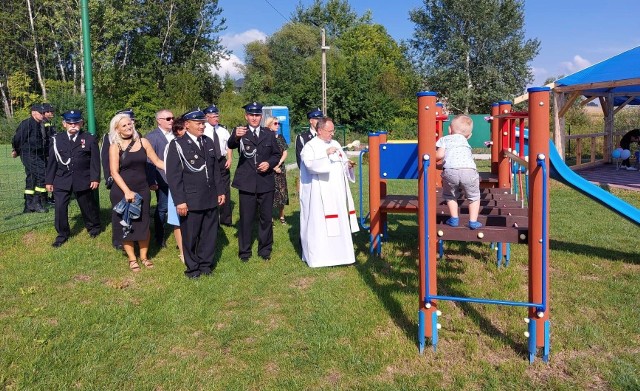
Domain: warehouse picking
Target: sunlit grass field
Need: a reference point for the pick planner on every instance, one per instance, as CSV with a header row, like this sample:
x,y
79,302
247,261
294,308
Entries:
x,y
77,318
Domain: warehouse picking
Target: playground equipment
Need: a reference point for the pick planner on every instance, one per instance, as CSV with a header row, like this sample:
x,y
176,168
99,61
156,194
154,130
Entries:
x,y
536,234
506,221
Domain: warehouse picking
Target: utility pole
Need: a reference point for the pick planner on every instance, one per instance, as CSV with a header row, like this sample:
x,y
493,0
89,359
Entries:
x,y
324,73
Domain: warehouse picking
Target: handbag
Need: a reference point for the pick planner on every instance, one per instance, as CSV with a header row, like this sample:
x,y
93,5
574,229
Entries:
x,y
108,182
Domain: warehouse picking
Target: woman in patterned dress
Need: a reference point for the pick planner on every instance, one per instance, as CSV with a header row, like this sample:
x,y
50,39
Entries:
x,y
281,195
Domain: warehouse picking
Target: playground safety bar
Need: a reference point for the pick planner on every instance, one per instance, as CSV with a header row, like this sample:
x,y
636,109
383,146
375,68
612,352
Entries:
x,y
541,163
428,299
363,218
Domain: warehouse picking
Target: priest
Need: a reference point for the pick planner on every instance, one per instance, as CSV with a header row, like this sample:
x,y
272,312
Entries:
x,y
327,213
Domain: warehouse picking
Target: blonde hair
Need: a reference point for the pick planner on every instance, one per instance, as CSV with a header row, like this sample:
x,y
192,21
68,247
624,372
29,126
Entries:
x,y
114,136
269,121
461,124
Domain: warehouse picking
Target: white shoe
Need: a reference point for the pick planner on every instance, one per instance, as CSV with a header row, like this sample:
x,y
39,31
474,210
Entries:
x,y
631,168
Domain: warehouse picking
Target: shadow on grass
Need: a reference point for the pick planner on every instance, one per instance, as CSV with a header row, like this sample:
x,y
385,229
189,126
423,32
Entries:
x,y
399,274
584,249
446,288
294,232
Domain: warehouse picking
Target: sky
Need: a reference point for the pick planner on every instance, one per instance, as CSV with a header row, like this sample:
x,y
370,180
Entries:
x,y
574,34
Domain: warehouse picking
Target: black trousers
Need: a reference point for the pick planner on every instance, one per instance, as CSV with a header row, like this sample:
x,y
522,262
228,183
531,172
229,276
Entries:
x,y
199,231
160,215
35,165
249,204
88,208
225,209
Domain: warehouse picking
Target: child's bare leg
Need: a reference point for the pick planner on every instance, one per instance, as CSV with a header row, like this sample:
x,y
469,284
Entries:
x,y
453,208
474,209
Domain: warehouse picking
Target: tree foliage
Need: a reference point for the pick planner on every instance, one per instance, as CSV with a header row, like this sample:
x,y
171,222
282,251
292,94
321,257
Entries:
x,y
146,54
369,77
473,53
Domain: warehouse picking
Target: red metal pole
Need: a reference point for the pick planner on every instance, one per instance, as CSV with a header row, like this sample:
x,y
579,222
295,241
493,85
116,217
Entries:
x,y
538,144
374,190
495,138
383,188
427,146
504,169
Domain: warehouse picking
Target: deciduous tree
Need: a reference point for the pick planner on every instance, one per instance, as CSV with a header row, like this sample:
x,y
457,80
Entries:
x,y
473,53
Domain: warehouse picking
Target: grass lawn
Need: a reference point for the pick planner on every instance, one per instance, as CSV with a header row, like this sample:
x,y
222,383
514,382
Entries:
x,y
77,318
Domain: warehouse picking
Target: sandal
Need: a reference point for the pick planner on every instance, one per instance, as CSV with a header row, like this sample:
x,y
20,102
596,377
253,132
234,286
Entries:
x,y
283,221
147,263
133,265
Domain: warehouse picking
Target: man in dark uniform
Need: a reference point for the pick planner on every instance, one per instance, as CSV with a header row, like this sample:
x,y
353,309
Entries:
x,y
220,135
254,179
116,237
74,167
31,143
194,181
159,139
313,116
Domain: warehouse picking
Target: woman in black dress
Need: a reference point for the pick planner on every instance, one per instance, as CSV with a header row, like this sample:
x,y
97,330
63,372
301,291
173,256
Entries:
x,y
130,176
281,195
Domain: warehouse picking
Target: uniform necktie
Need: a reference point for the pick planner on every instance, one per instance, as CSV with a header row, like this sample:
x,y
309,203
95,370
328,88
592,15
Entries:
x,y
200,144
255,132
71,137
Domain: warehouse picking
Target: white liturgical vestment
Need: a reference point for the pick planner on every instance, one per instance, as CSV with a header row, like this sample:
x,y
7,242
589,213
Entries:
x,y
327,213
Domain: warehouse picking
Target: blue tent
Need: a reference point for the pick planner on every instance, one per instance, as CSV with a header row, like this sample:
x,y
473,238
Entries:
x,y
615,82
618,75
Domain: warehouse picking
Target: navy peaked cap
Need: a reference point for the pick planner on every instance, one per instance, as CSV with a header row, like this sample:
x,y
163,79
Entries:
x,y
193,115
48,107
213,109
315,113
37,107
253,108
128,112
72,116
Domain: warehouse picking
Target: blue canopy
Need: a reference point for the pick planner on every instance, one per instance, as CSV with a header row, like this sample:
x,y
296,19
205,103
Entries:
x,y
619,75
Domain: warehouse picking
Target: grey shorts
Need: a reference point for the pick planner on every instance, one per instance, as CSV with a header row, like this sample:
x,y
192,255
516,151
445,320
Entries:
x,y
456,179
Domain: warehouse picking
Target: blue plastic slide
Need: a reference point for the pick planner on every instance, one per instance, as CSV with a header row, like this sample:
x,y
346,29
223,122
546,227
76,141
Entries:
x,y
561,172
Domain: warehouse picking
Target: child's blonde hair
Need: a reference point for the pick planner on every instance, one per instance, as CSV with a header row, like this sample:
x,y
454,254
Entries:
x,y
461,124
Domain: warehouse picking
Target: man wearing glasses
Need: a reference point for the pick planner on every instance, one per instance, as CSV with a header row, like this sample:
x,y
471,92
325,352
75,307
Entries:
x,y
159,138
254,179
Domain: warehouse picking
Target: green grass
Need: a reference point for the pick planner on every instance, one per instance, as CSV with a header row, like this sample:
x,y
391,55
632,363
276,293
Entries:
x,y
77,318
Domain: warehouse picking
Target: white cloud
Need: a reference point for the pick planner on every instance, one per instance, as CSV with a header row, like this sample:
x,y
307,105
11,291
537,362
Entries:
x,y
235,43
229,66
577,64
539,75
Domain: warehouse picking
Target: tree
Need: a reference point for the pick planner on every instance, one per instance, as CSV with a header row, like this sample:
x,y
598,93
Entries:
x,y
473,53
336,16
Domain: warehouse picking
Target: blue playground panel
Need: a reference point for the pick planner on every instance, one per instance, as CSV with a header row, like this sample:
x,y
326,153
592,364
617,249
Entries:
x,y
399,161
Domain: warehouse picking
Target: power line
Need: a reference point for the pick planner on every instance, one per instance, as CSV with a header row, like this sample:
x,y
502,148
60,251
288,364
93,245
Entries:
x,y
272,6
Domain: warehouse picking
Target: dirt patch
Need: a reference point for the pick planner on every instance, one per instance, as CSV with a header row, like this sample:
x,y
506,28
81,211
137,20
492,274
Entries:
x,y
119,283
332,377
82,277
303,283
30,239
271,368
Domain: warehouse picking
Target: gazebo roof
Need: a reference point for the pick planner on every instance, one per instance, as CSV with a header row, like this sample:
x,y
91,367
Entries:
x,y
618,75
